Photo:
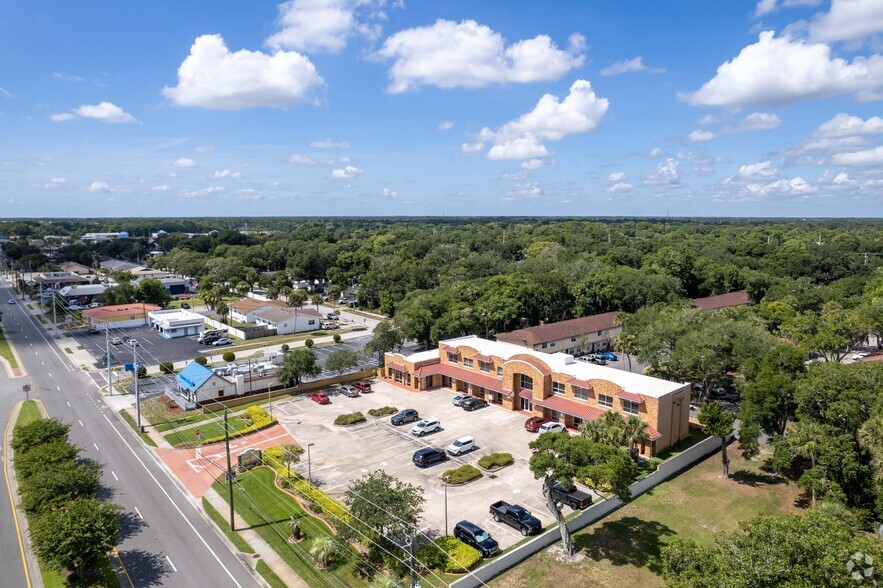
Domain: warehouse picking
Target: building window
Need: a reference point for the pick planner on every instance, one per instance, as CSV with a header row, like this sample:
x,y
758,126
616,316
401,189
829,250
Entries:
x,y
545,345
526,404
573,339
600,333
551,345
580,393
499,372
630,407
577,422
526,382
484,366
605,400
467,362
555,416
452,357
313,322
557,388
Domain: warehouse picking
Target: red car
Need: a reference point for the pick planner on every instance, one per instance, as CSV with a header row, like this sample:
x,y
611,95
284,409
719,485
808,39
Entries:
x,y
533,424
320,397
362,387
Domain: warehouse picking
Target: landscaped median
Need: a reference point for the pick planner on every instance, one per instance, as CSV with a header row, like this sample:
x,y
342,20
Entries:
x,y
383,411
462,475
352,418
251,420
495,461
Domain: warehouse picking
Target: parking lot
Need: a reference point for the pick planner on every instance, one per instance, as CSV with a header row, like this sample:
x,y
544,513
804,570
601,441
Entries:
x,y
155,348
341,454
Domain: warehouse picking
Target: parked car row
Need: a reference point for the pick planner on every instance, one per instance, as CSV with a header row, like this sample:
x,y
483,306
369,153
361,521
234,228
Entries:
x,y
214,337
541,425
468,402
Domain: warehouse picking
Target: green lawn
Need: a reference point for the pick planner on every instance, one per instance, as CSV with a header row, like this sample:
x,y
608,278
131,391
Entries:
x,y
164,420
224,525
29,413
187,437
624,549
269,575
6,351
276,340
131,420
268,510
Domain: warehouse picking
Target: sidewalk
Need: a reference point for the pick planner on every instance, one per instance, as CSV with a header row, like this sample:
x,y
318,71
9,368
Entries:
x,y
269,555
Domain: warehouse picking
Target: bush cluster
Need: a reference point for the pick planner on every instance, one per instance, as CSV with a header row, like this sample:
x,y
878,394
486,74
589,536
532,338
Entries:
x,y
349,419
449,555
496,460
308,343
257,418
461,475
228,356
201,359
383,411
166,367
336,511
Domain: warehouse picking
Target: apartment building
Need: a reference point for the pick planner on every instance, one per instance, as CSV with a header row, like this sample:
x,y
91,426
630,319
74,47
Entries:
x,y
578,336
550,385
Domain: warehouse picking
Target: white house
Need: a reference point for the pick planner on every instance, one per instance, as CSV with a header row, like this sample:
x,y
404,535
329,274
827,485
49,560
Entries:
x,y
176,322
243,310
289,320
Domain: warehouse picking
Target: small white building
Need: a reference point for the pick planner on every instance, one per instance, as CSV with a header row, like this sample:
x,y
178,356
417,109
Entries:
x,y
176,322
244,310
289,320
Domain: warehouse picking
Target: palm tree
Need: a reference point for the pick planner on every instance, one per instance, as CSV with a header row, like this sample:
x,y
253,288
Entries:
x,y
870,436
316,300
592,430
324,549
805,438
636,431
223,310
718,423
625,343
614,428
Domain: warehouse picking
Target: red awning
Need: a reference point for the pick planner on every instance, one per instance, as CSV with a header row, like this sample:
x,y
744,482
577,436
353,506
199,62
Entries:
x,y
427,370
481,357
449,349
525,394
653,433
396,366
571,407
580,383
471,377
623,395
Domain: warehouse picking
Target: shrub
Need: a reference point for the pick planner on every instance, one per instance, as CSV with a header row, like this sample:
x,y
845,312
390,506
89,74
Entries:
x,y
65,481
285,348
461,475
603,488
258,419
142,372
201,360
496,460
383,411
43,457
32,435
229,356
166,367
308,343
336,337
349,419
448,554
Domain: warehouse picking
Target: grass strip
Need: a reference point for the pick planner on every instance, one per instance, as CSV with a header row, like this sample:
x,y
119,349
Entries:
x,y
131,420
6,350
29,413
68,351
224,525
269,575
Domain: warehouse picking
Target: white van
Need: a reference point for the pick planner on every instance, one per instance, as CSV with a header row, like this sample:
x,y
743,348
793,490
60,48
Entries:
x,y
461,445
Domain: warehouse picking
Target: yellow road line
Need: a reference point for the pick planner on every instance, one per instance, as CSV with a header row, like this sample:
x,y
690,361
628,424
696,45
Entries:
x,y
122,565
21,545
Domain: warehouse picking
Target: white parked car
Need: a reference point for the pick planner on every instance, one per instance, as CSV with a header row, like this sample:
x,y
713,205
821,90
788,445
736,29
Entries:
x,y
132,342
115,340
223,341
459,398
551,427
461,445
425,427
11,301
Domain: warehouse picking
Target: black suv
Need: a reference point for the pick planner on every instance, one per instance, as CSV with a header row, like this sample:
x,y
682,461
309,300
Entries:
x,y
473,403
423,458
473,535
408,415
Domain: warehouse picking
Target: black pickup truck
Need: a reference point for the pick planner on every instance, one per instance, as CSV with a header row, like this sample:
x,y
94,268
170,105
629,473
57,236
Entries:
x,y
572,497
517,517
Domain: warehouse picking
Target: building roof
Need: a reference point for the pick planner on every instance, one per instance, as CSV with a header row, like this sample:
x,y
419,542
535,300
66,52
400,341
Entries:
x,y
194,376
83,290
560,330
118,265
175,314
277,315
245,305
72,266
103,312
738,298
562,363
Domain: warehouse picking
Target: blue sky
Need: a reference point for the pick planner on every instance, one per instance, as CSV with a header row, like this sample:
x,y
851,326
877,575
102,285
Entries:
x,y
372,107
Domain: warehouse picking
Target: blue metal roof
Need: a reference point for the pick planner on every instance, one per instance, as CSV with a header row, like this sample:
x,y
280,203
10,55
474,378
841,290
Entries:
x,y
193,376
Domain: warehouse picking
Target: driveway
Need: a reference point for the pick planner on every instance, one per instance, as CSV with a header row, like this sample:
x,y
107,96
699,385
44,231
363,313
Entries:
x,y
154,348
341,454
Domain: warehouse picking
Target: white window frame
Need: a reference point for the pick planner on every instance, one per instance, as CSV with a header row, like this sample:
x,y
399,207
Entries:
x,y
521,382
580,393
631,407
484,367
558,388
452,358
467,362
605,401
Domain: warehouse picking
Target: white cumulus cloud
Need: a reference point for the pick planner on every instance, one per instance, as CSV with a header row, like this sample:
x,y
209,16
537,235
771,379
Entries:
x,y
390,193
212,77
532,164
701,135
656,152
784,69
184,162
581,111
472,147
225,173
446,125
529,190
329,144
859,158
848,20
756,121
99,186
629,65
448,54
620,188
323,25
666,174
762,169
347,173
106,112
202,192
844,125
616,176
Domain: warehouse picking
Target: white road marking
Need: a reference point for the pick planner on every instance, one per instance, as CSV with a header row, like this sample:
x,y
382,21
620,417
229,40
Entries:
x,y
50,374
174,569
114,475
68,404
491,521
42,363
139,513
174,504
81,423
59,389
96,446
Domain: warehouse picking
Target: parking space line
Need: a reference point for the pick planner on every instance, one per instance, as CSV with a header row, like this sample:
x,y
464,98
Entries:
x,y
373,435
491,521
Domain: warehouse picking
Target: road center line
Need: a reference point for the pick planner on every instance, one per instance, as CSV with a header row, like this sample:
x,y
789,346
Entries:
x,y
141,516
50,374
174,569
96,446
68,404
81,423
114,475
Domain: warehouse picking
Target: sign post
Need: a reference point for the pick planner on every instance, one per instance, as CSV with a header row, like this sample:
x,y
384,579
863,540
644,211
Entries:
x,y
26,388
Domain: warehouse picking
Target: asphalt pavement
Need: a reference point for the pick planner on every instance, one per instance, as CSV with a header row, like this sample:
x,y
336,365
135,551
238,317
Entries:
x,y
165,540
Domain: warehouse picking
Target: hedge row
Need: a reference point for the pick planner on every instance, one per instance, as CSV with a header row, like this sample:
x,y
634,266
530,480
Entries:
x,y
258,419
496,460
383,411
461,475
349,418
449,555
337,512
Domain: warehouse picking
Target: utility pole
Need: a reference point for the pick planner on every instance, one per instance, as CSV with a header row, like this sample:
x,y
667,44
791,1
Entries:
x,y
412,561
135,370
54,321
229,469
446,506
107,358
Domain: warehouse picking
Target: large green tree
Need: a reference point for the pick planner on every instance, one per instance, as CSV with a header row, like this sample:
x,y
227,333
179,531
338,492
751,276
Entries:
x,y
718,423
341,360
296,364
387,337
564,458
152,291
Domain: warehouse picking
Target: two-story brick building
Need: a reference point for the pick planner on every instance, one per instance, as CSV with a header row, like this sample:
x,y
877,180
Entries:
x,y
551,385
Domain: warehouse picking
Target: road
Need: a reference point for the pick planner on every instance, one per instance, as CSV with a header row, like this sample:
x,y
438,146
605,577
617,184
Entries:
x,y
165,541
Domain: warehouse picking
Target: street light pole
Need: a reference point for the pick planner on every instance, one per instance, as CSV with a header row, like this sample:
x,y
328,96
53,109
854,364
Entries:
x,y
137,396
446,507
309,467
107,357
